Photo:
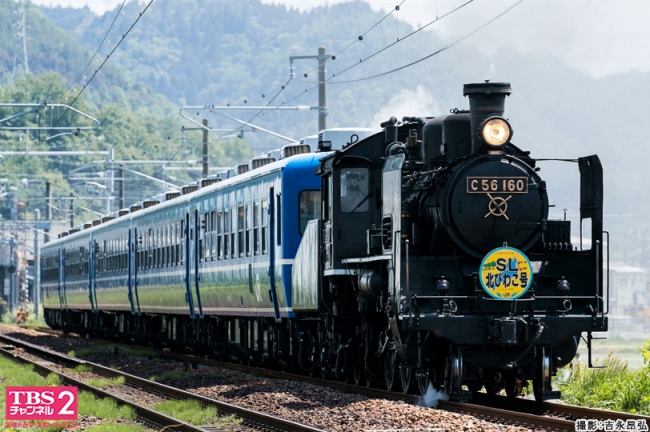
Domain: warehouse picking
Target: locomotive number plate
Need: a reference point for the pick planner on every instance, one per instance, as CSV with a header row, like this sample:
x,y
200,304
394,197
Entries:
x,y
510,185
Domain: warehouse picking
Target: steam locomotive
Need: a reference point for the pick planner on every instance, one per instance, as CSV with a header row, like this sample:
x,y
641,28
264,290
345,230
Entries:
x,y
418,255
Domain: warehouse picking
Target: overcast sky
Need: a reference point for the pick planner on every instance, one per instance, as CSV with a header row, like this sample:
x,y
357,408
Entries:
x,y
601,37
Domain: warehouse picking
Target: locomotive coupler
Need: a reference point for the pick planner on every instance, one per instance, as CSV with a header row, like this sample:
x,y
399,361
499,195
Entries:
x,y
508,331
540,330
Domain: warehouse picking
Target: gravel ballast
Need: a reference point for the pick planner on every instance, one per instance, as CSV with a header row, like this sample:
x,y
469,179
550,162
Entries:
x,y
318,406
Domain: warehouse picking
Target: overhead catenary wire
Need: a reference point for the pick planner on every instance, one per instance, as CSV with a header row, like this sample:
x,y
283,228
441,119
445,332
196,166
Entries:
x,y
98,48
405,37
438,18
262,113
108,56
457,41
361,36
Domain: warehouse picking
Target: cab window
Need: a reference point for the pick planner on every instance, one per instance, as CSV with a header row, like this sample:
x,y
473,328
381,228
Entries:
x,y
355,191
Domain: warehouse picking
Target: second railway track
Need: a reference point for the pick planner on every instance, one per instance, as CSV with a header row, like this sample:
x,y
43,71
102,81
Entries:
x,y
254,418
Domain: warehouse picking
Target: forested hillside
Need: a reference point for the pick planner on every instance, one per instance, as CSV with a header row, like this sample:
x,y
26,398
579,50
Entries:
x,y
191,52
138,123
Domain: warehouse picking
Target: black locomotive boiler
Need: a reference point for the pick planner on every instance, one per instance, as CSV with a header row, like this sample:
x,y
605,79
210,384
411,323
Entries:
x,y
439,262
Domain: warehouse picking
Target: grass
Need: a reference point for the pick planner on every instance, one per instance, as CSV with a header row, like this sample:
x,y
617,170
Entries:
x,y
193,412
106,409
172,375
615,387
32,320
106,382
14,374
82,368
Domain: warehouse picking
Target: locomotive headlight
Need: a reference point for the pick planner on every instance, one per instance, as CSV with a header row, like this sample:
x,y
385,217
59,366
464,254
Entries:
x,y
495,131
442,286
563,287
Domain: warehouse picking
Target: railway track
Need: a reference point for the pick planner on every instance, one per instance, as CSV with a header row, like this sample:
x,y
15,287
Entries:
x,y
252,418
518,411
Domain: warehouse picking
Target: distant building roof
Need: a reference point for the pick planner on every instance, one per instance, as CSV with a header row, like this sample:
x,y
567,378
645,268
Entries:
x,y
623,268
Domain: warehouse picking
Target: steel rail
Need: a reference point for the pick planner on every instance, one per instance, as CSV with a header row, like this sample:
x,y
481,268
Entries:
x,y
171,392
513,405
552,408
189,359
147,414
509,417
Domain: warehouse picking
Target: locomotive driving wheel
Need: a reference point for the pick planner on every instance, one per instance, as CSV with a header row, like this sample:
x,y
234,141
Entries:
x,y
359,374
342,371
542,383
390,369
324,371
422,380
453,370
405,377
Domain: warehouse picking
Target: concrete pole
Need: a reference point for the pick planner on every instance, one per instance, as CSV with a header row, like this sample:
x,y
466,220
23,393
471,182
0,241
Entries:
x,y
71,210
121,188
37,275
110,186
322,89
12,263
48,209
206,150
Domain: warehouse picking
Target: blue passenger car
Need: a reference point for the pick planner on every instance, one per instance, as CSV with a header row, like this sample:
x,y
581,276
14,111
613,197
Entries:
x,y
224,250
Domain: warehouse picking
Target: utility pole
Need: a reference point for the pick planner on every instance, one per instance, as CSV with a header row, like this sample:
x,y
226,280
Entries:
x,y
22,31
322,58
71,210
206,149
121,188
110,185
12,275
37,274
48,209
322,89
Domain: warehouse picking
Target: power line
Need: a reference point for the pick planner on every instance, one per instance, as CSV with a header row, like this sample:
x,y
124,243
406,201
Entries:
x,y
317,83
104,62
98,48
358,39
457,41
394,43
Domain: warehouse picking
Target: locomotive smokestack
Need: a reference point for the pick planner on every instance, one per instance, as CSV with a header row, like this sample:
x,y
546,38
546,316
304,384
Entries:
x,y
485,100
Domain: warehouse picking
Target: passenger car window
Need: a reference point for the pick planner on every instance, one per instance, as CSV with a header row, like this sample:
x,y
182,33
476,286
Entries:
x,y
309,208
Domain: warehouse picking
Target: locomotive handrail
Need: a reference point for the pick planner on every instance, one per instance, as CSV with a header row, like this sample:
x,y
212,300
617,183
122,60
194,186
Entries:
x,y
568,297
366,259
446,297
598,286
607,311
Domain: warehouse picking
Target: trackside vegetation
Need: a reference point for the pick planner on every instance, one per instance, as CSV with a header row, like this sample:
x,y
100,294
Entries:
x,y
616,386
13,374
193,412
